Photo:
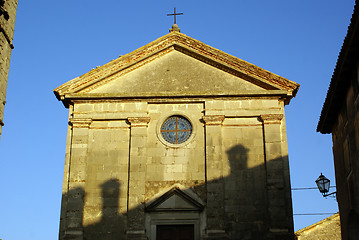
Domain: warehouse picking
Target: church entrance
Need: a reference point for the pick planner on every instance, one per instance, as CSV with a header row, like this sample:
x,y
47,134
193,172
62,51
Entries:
x,y
175,215
175,232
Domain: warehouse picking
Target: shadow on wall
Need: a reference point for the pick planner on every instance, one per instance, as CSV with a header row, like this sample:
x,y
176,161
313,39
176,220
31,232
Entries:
x,y
247,200
112,224
353,225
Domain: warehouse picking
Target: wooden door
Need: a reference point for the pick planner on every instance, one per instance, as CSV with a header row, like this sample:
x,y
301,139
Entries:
x,y
175,232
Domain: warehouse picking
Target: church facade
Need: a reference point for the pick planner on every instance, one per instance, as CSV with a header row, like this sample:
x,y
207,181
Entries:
x,y
176,140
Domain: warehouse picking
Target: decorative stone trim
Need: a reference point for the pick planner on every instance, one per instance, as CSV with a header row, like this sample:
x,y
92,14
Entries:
x,y
272,118
80,122
213,119
139,121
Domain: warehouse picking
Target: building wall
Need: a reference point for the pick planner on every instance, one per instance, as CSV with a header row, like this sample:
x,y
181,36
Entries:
x,y
7,24
346,152
340,117
236,162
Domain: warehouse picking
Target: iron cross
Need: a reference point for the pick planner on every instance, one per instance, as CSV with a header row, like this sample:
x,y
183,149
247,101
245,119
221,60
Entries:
x,y
174,15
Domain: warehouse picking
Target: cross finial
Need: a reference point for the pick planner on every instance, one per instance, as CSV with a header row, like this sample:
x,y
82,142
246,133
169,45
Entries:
x,y
174,14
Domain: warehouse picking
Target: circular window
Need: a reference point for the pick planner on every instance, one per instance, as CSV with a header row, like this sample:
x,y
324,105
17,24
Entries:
x,y
176,129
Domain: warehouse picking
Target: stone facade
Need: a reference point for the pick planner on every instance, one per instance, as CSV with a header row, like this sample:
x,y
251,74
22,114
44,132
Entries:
x,y
340,117
229,179
7,24
327,229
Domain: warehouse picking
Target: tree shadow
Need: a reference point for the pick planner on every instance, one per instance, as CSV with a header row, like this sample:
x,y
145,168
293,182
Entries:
x,y
245,194
112,224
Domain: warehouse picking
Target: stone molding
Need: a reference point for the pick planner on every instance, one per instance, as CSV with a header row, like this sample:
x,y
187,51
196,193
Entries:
x,y
272,118
80,122
213,119
139,121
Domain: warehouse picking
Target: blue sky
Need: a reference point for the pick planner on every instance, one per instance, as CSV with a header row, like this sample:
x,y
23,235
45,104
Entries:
x,y
56,41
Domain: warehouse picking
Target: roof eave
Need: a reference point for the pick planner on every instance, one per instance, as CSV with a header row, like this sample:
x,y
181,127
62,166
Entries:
x,y
340,81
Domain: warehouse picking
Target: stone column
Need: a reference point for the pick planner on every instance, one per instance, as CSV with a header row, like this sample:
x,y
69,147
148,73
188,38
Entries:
x,y
278,219
137,178
214,177
74,180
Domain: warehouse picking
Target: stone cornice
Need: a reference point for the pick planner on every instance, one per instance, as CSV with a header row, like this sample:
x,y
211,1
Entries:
x,y
272,118
213,119
139,121
80,122
140,95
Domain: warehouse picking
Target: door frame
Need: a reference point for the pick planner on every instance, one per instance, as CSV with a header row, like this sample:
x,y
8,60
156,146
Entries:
x,y
154,219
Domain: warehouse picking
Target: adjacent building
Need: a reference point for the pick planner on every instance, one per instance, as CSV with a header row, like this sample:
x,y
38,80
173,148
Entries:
x,y
327,229
340,117
7,24
177,140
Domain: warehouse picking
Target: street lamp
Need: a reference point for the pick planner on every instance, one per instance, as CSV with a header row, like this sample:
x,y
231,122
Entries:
x,y
323,184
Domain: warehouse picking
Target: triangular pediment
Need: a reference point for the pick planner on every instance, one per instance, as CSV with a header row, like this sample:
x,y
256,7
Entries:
x,y
174,200
175,65
176,73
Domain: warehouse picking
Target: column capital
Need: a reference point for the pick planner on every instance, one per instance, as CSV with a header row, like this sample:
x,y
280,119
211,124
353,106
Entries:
x,y
80,122
272,118
213,119
139,121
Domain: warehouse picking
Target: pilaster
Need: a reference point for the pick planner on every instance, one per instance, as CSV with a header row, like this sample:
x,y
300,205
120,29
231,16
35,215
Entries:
x,y
74,180
137,177
214,177
279,226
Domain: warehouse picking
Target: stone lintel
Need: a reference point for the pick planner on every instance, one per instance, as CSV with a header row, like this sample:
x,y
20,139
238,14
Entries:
x,y
272,118
80,122
139,121
213,119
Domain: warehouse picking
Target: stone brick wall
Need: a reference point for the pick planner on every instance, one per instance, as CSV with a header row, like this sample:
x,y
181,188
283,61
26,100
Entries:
x,y
7,24
235,162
